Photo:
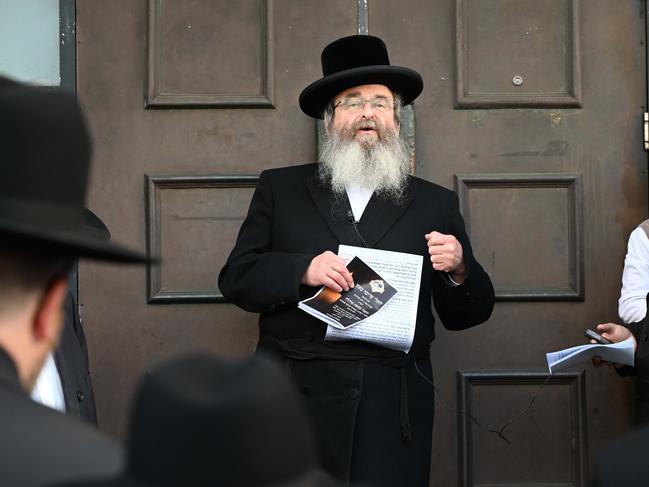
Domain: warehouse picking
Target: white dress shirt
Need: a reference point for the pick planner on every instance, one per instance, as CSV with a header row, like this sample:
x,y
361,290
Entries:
x,y
48,389
358,198
635,278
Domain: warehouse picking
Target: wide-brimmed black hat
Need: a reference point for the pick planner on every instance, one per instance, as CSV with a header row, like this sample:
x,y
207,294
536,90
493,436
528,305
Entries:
x,y
353,61
95,225
202,421
44,172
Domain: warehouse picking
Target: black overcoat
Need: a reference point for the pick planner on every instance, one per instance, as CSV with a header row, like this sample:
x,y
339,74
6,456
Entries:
x,y
372,408
40,446
71,358
640,369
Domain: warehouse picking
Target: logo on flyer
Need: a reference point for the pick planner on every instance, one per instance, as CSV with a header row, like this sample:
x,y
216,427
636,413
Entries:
x,y
377,286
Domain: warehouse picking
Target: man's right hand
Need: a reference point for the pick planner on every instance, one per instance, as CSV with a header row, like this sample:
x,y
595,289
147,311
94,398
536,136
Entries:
x,y
616,333
327,269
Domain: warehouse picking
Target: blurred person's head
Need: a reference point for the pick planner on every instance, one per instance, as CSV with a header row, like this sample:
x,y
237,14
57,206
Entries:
x,y
33,286
43,223
200,420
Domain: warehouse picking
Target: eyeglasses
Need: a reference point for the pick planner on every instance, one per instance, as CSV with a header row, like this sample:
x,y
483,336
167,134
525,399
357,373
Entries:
x,y
356,104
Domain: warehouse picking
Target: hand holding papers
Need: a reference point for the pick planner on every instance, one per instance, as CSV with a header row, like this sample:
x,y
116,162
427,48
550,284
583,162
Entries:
x,y
394,325
620,353
391,325
345,309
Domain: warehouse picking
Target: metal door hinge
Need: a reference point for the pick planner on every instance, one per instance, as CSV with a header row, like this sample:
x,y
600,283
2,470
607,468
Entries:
x,y
646,131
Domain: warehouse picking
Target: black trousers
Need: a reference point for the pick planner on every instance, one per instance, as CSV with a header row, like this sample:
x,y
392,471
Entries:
x,y
357,409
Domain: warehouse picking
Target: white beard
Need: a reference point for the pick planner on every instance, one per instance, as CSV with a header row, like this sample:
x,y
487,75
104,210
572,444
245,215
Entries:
x,y
383,167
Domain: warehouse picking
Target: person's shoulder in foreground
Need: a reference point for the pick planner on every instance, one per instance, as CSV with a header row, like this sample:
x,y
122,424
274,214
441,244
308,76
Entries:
x,y
39,445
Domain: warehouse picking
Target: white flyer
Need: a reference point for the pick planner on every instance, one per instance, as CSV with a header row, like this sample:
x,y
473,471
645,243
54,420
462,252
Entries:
x,y
394,325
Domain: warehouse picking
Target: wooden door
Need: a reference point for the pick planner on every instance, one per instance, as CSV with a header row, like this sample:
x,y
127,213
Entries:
x,y
531,109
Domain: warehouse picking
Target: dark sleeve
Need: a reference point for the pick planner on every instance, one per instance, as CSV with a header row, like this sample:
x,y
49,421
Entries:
x,y
255,277
640,332
472,302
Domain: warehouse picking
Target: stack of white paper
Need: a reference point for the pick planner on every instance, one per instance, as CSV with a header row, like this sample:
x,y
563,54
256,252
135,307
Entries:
x,y
619,353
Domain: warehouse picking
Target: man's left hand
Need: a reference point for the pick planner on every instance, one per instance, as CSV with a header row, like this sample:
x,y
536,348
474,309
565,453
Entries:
x,y
446,255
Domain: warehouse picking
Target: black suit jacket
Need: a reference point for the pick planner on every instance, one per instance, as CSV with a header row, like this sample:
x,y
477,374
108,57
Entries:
x,y
622,462
40,446
292,218
640,331
71,358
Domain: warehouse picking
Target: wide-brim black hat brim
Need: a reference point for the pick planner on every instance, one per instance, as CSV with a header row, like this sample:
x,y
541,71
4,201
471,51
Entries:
x,y
60,231
406,82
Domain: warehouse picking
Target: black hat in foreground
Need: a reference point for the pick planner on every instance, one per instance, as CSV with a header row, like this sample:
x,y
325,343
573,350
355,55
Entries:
x,y
353,61
45,162
202,421
94,224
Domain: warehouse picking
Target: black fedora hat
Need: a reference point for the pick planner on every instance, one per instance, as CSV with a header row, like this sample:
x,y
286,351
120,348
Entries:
x,y
202,421
45,163
353,61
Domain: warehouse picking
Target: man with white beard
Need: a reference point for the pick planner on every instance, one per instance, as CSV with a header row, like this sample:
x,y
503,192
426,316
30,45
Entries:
x,y
372,407
366,153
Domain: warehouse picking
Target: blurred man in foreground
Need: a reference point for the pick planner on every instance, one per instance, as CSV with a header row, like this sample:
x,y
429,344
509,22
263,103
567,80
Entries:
x,y
45,161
